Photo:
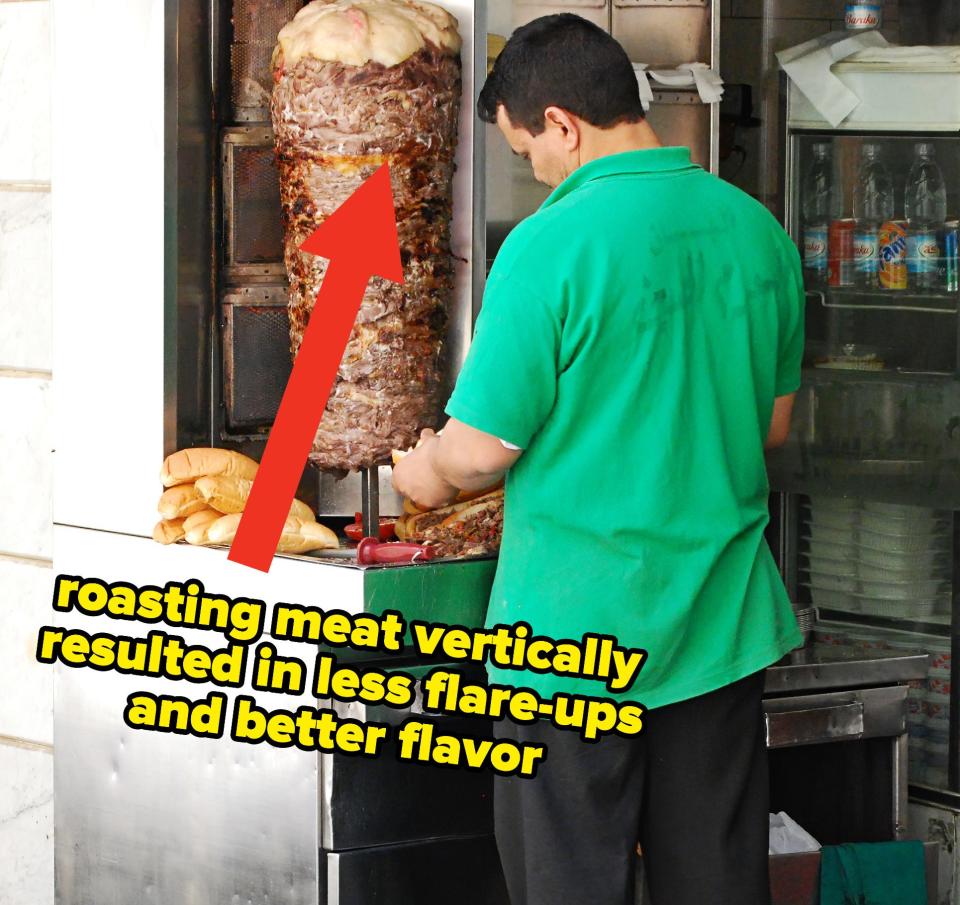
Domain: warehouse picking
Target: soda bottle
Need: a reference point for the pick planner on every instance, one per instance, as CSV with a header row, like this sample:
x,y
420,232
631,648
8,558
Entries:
x,y
819,207
872,207
925,207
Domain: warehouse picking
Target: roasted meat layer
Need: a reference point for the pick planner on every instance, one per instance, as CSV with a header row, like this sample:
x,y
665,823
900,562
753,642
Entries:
x,y
334,125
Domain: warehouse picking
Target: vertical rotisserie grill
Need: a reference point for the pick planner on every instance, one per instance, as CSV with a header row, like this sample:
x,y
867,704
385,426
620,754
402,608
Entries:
x,y
347,99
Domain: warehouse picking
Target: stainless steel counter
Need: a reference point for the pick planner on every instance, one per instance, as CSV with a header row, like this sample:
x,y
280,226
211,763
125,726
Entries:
x,y
842,667
819,695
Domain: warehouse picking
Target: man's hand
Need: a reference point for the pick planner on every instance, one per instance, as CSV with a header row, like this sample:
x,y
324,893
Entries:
x,y
415,477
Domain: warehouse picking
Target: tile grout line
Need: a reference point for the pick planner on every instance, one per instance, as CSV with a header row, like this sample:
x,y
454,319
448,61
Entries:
x,y
24,185
25,559
25,372
11,741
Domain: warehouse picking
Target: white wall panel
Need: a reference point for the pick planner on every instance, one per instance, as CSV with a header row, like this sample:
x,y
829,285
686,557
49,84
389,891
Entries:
x,y
108,261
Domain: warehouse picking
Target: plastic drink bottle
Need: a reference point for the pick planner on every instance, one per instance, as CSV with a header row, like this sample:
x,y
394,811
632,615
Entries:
x,y
819,207
872,207
925,206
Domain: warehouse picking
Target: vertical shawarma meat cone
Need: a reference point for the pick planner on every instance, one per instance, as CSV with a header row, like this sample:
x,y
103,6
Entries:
x,y
360,83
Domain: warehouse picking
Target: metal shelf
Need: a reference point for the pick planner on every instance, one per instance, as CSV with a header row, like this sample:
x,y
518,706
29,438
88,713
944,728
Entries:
x,y
886,300
938,625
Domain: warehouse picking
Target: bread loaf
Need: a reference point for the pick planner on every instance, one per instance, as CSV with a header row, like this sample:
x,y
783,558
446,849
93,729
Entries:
x,y
299,535
195,526
187,465
167,531
180,501
224,529
228,494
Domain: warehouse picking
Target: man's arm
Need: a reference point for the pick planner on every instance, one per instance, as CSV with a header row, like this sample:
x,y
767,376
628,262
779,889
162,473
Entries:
x,y
469,458
780,421
461,458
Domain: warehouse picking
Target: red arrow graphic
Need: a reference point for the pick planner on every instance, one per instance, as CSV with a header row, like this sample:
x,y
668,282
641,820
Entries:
x,y
360,241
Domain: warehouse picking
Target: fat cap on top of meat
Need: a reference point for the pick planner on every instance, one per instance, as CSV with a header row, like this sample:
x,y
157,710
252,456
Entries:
x,y
356,32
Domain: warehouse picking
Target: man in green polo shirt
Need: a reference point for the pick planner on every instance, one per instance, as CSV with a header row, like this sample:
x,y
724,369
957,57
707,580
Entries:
x,y
638,346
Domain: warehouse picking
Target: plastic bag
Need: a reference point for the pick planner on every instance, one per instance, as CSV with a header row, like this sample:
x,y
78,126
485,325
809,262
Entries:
x,y
786,836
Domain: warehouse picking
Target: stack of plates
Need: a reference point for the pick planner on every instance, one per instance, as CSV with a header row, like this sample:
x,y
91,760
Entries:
x,y
879,558
832,556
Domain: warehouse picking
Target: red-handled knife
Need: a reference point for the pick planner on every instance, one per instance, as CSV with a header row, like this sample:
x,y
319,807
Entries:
x,y
371,551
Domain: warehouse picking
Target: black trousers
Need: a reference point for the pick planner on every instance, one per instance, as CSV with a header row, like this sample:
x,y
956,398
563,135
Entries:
x,y
692,788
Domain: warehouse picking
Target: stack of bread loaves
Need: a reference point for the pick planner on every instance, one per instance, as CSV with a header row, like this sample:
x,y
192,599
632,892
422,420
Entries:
x,y
207,490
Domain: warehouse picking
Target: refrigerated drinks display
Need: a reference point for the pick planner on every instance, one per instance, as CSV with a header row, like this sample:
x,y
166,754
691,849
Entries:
x,y
868,486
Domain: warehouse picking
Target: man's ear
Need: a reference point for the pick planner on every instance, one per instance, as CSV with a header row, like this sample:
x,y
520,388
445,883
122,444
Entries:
x,y
567,125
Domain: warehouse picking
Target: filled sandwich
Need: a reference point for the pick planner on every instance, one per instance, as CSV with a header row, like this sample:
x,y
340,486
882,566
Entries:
x,y
472,525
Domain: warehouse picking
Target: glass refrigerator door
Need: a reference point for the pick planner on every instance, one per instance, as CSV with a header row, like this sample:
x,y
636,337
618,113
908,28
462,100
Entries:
x,y
869,482
873,464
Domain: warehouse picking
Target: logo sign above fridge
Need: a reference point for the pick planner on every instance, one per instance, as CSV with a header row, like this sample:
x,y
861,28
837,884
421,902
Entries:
x,y
860,16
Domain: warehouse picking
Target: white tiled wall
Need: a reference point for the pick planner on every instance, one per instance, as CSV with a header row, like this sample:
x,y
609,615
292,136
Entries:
x,y
24,276
26,688
27,589
25,479
25,90
26,825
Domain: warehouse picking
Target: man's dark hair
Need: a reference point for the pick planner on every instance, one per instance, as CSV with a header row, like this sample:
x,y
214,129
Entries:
x,y
562,61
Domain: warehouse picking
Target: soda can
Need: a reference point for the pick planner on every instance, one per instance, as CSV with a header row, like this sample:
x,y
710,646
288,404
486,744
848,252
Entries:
x,y
840,252
950,256
862,16
893,254
866,259
923,257
815,249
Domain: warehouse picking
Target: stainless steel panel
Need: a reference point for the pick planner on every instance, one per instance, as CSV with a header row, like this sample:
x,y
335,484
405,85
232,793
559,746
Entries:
x,y
899,781
668,33
343,496
664,36
150,818
883,712
841,722
841,668
433,872
360,800
596,11
144,817
680,119
158,819
188,230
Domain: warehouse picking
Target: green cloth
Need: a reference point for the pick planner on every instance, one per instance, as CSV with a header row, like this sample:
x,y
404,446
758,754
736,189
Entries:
x,y
634,333
873,873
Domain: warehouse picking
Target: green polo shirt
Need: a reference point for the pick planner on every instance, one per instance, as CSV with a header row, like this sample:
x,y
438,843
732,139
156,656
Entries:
x,y
634,333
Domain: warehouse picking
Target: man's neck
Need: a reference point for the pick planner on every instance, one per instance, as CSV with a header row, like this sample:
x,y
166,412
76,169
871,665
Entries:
x,y
596,143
